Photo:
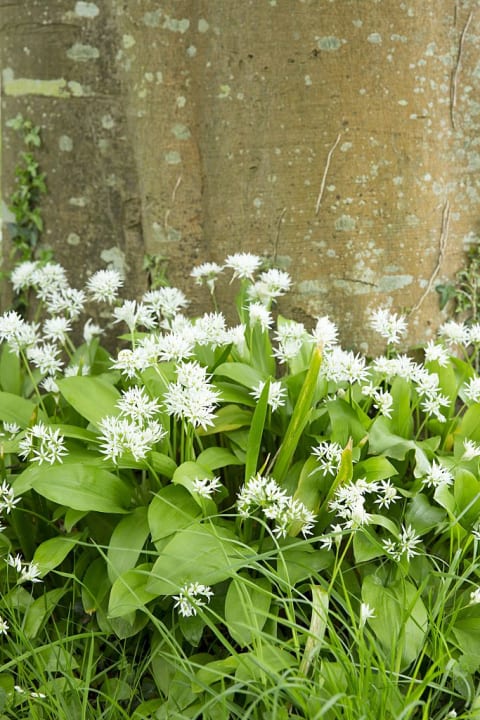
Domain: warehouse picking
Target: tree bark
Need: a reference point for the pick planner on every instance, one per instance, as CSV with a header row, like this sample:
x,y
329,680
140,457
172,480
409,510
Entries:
x,y
338,138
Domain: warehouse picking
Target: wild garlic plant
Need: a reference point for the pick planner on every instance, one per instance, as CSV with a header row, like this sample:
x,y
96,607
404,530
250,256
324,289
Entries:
x,y
255,496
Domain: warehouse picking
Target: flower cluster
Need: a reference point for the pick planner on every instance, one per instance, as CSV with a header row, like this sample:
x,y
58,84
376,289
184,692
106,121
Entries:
x,y
192,596
349,501
192,398
265,494
29,572
42,443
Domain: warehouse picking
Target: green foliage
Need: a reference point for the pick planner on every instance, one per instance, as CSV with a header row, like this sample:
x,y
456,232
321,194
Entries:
x,y
464,292
234,523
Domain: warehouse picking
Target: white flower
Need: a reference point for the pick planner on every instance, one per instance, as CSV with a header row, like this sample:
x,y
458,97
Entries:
x,y
30,573
325,332
49,385
259,315
387,494
136,405
435,352
23,275
342,366
43,443
4,627
471,389
166,301
15,561
471,449
270,285
49,278
104,285
7,498
90,330
329,455
206,274
121,436
455,333
206,487
18,334
45,358
191,597
134,314
474,333
265,494
11,428
366,612
406,545
382,399
389,325
66,300
437,476
276,394
131,362
432,405
56,329
475,597
244,265
210,329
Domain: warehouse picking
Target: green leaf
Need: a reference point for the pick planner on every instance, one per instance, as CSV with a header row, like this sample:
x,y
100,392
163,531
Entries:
x,y
81,487
241,373
255,434
347,422
214,458
470,423
126,542
229,417
172,509
401,620
374,469
10,377
40,610
299,419
466,491
129,592
383,441
50,553
15,409
92,397
401,422
200,553
423,516
299,562
162,464
246,608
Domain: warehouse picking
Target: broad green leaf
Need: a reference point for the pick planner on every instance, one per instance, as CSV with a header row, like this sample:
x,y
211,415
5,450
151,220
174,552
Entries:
x,y
255,434
401,421
401,620
266,659
466,491
129,591
347,422
92,397
366,545
40,610
200,553
172,509
241,373
230,393
423,516
50,553
470,423
162,464
374,469
299,418
300,561
229,417
126,542
383,441
214,458
246,608
95,586
467,629
15,409
10,375
81,487
215,671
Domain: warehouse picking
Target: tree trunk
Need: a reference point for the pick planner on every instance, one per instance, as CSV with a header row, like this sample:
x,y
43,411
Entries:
x,y
338,138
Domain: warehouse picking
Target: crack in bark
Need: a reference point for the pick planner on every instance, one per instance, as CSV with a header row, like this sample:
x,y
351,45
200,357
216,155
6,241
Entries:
x,y
456,71
325,172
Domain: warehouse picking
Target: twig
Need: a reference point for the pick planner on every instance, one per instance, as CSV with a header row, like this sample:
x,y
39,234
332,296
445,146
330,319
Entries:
x,y
456,71
325,172
441,255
